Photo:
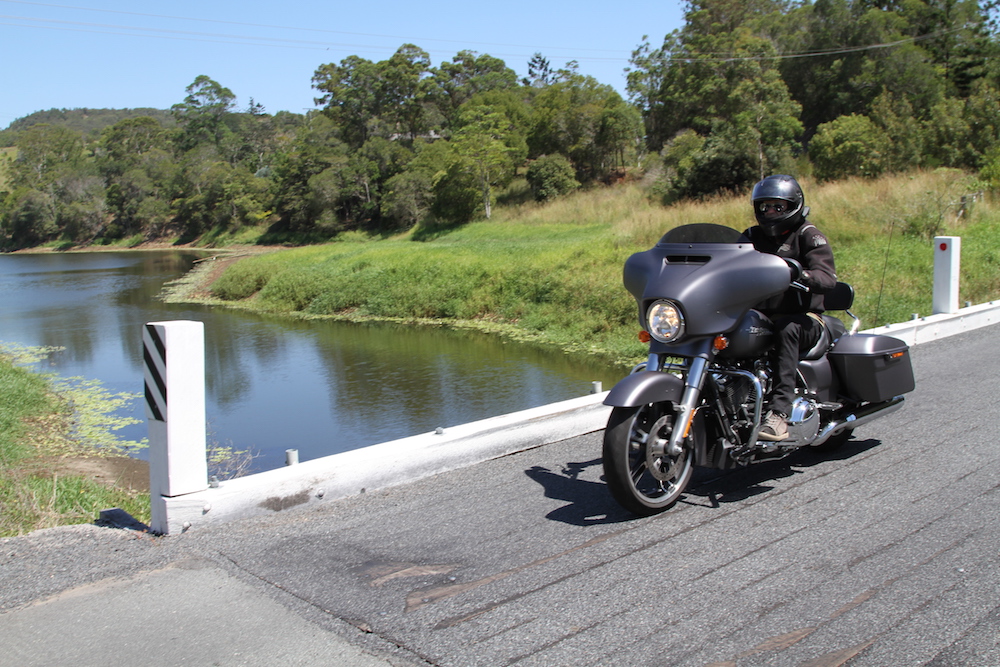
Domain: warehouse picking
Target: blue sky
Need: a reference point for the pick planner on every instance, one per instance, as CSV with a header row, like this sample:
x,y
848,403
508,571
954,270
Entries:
x,y
126,54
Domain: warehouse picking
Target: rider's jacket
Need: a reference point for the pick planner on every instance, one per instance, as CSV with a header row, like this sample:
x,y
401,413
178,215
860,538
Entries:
x,y
809,247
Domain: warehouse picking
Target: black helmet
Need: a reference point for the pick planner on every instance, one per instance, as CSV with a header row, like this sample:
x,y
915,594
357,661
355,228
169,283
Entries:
x,y
784,188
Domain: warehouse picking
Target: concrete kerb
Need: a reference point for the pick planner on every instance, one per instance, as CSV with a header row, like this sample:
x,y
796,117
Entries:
x,y
387,464
409,459
933,327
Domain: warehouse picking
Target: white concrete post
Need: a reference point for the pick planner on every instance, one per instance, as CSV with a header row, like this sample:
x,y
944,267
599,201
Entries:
x,y
174,361
947,262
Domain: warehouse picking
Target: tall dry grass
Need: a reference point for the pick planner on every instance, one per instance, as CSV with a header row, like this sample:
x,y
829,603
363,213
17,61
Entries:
x,y
851,209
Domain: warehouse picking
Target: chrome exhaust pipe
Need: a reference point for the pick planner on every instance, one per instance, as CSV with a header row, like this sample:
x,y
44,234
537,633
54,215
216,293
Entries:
x,y
858,418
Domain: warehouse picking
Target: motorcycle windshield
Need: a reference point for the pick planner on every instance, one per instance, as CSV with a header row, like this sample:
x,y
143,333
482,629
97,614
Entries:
x,y
702,233
713,273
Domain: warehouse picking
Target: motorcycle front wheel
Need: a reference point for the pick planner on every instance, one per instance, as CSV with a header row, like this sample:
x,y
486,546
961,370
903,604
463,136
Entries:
x,y
640,481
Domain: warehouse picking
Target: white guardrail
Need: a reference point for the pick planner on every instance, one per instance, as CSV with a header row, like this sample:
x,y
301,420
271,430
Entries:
x,y
182,498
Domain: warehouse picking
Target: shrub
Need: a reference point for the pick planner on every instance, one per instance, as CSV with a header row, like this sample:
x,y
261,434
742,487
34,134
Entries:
x,y
849,146
551,176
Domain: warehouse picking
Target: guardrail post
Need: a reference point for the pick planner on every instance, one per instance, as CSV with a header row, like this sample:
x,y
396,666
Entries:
x,y
174,363
947,262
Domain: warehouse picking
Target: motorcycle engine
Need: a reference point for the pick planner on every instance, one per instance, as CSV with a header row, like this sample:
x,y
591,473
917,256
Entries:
x,y
737,394
803,423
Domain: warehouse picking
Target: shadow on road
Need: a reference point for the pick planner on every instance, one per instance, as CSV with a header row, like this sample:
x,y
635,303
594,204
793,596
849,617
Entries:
x,y
590,503
714,487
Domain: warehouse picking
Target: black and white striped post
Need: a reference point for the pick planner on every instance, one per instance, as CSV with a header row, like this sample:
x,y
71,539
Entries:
x,y
174,373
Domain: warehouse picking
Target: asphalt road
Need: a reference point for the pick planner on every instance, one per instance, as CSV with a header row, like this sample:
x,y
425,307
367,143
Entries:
x,y
884,553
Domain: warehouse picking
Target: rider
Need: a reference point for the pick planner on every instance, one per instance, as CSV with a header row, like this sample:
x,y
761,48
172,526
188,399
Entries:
x,y
782,230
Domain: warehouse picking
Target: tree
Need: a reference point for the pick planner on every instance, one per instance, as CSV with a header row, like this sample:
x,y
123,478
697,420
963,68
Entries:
x,y
551,176
81,206
982,114
584,120
43,153
896,118
849,146
30,218
126,142
849,53
619,134
316,147
252,138
139,190
411,196
482,142
468,74
201,115
540,73
406,199
947,133
720,82
956,35
403,93
369,99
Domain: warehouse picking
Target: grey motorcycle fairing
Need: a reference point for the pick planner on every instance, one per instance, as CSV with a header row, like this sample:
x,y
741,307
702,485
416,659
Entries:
x,y
712,301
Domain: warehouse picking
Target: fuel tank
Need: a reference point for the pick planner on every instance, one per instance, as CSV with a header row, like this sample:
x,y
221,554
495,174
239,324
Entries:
x,y
751,338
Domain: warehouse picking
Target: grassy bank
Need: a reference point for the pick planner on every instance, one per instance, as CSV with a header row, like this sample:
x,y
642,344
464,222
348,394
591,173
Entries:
x,y
49,432
552,273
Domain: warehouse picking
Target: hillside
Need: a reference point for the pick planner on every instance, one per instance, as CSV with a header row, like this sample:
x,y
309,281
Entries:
x,y
88,122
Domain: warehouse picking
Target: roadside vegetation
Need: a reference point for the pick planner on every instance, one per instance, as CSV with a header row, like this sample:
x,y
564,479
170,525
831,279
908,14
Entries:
x,y
552,273
48,427
61,459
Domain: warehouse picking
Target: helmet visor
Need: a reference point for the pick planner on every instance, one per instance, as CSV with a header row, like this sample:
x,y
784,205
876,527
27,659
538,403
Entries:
x,y
776,206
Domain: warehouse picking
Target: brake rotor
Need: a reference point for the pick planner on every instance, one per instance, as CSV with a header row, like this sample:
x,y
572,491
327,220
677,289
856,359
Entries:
x,y
661,466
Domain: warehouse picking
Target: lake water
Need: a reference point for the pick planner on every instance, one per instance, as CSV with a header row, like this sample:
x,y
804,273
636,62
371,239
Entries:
x,y
275,383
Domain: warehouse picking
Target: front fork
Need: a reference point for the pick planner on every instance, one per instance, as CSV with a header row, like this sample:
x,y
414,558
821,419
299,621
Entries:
x,y
685,409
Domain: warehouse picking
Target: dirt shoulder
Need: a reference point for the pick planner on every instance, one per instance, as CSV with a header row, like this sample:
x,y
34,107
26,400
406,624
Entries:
x,y
196,284
123,472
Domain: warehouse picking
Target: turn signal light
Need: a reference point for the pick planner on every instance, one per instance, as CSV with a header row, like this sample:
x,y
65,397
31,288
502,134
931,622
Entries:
x,y
896,355
721,343
644,337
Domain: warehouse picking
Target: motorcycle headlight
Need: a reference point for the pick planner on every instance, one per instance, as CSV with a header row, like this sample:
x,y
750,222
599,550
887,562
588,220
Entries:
x,y
665,321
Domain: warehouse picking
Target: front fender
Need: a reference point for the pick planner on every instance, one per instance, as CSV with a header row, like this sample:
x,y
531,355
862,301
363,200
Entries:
x,y
645,387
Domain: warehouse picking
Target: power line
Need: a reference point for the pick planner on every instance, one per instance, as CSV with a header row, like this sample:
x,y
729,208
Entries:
x,y
105,28
255,40
281,27
815,54
222,38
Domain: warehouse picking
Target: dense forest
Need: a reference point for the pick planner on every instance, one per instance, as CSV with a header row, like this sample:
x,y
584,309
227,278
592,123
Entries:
x,y
830,88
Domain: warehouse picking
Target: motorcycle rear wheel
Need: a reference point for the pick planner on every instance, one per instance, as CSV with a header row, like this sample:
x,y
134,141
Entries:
x,y
639,482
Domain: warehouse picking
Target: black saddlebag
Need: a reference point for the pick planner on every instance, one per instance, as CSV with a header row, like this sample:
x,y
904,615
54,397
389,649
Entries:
x,y
872,368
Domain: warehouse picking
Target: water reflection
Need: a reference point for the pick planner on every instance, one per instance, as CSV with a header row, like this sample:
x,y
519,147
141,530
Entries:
x,y
275,383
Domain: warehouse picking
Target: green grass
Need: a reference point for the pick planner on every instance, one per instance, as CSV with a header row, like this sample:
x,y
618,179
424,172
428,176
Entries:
x,y
557,284
36,427
26,396
552,273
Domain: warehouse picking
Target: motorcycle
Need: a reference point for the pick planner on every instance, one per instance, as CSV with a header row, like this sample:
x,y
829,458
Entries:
x,y
698,399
